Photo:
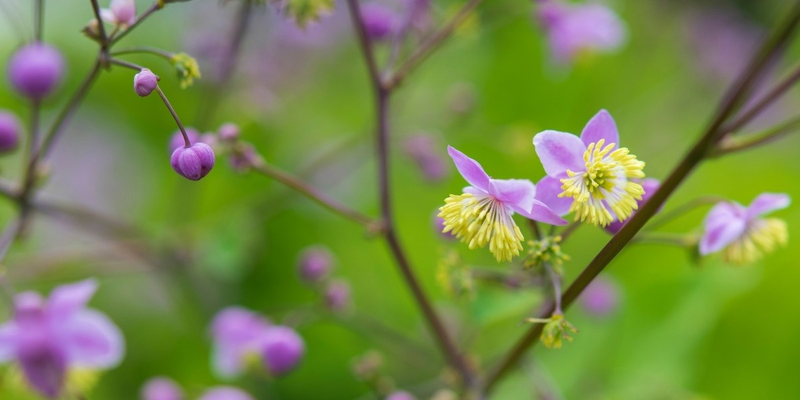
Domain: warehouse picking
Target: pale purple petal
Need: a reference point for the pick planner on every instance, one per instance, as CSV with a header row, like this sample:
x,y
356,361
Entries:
x,y
559,152
107,15
8,335
226,360
724,224
161,388
469,169
517,192
225,393
601,126
400,395
767,202
547,191
43,363
92,340
68,299
540,212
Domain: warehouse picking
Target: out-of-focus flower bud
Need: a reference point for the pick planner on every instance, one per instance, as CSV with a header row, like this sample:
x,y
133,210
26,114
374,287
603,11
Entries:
x,y
444,394
380,22
121,13
337,296
463,98
225,393
36,70
600,298
400,395
193,162
229,132
367,367
177,141
9,131
315,264
282,350
145,82
161,388
422,149
92,30
243,157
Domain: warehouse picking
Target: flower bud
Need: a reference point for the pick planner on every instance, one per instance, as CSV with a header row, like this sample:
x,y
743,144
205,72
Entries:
x,y
283,349
225,393
229,132
161,388
600,298
337,296
380,22
315,263
401,395
176,141
9,131
193,162
145,82
35,70
123,11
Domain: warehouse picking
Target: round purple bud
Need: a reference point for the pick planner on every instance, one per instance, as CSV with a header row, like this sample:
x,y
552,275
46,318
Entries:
x,y
193,162
35,70
229,132
600,298
380,22
145,82
177,141
225,393
337,296
282,350
9,131
161,388
401,395
314,264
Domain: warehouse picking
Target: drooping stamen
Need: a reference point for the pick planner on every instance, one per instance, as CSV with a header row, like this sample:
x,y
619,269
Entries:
x,y
478,221
761,236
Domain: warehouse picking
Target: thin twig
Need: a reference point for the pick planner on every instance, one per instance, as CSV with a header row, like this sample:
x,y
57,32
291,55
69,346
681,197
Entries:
x,y
100,26
773,95
161,94
126,64
671,215
735,144
153,8
38,20
144,50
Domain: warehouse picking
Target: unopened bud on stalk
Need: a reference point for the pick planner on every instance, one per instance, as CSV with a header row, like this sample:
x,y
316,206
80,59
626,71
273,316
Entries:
x,y
177,141
193,162
337,296
9,131
145,82
229,132
36,70
283,349
315,264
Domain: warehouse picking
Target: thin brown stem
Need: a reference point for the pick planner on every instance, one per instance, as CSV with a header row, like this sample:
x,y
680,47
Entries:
x,y
161,94
126,64
38,20
153,8
100,26
773,95
736,144
144,50
671,215
365,42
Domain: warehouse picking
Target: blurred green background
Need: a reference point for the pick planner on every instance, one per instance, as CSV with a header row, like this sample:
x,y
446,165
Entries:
x,y
682,331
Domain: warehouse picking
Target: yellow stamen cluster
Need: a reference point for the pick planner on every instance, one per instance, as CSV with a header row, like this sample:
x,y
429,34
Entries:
x,y
556,330
762,236
481,221
186,68
604,186
547,250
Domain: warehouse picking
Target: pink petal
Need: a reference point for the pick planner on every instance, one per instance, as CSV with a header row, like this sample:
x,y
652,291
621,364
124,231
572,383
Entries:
x,y
601,126
559,152
92,340
226,360
225,393
469,169
516,192
68,299
547,191
767,202
540,212
724,224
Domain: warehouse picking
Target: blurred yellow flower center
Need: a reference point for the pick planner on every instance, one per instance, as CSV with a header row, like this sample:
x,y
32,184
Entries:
x,y
483,220
762,236
604,186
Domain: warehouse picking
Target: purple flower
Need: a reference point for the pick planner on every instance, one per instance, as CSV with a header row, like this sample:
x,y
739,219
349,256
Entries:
x,y
400,395
314,264
600,298
9,131
237,333
229,132
650,186
225,393
121,12
193,162
380,22
337,296
48,337
597,174
421,149
36,70
740,233
145,82
282,350
161,388
575,28
176,140
483,213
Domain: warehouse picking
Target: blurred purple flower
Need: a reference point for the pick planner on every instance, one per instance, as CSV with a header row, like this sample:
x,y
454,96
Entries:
x,y
380,21
161,388
120,12
193,162
225,393
48,337
740,233
237,333
600,298
650,186
9,131
315,263
229,132
575,28
337,296
282,349
400,395
35,70
176,140
422,149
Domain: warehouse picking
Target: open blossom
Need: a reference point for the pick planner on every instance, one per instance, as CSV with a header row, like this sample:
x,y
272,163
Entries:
x,y
49,337
483,213
120,12
575,28
739,232
238,334
599,177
